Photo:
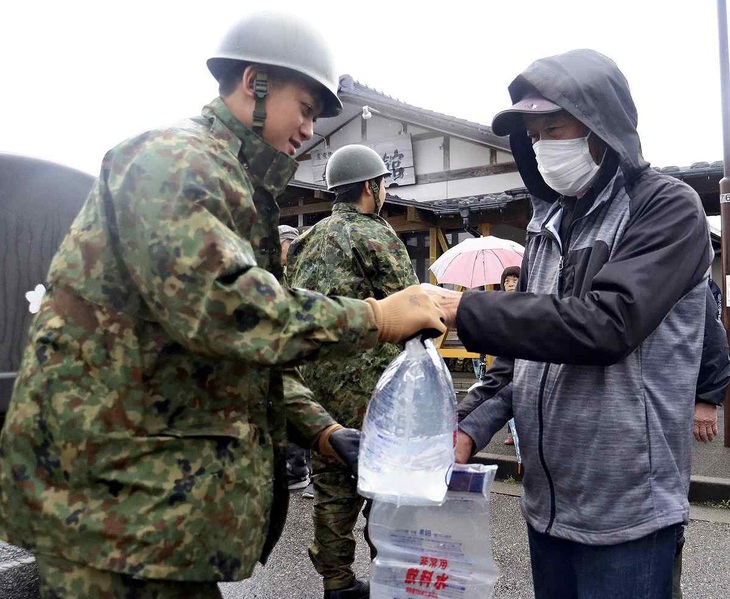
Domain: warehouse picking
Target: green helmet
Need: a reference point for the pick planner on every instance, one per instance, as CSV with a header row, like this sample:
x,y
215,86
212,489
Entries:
x,y
281,40
353,164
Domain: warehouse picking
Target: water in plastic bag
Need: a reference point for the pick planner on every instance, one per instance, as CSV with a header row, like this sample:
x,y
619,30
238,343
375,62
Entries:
x,y
439,552
407,444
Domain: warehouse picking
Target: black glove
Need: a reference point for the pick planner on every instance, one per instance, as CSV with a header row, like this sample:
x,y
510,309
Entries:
x,y
346,444
340,443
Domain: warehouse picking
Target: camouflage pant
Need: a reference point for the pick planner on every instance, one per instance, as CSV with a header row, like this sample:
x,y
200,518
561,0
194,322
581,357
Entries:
x,y
336,508
61,579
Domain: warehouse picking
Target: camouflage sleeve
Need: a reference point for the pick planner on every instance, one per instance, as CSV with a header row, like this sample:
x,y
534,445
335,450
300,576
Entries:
x,y
304,415
386,259
199,277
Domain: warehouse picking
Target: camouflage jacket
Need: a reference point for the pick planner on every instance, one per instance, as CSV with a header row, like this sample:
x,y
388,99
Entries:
x,y
356,255
148,421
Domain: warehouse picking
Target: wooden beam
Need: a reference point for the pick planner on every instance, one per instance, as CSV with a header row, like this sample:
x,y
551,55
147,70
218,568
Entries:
x,y
442,241
467,173
492,156
432,251
412,214
485,229
446,146
401,225
307,209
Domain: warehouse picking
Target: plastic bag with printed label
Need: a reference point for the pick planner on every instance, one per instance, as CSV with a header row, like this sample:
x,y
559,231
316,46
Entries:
x,y
407,446
439,551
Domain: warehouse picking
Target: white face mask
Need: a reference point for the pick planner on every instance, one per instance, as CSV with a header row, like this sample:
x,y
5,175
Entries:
x,y
566,165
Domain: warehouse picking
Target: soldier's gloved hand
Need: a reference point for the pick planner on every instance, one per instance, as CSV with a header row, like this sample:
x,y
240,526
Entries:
x,y
407,313
340,443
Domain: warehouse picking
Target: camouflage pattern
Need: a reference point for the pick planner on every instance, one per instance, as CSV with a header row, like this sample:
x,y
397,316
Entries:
x,y
61,579
355,255
336,508
146,432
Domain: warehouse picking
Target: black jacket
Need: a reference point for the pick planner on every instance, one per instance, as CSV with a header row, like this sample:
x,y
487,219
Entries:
x,y
601,349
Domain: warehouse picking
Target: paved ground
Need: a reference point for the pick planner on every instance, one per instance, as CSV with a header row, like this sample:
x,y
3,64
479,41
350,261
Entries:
x,y
290,575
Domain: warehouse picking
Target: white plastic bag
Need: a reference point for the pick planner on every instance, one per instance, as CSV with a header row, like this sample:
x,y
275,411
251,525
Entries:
x,y
439,552
409,431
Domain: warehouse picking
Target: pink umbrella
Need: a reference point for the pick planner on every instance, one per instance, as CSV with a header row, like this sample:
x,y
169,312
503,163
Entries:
x,y
477,261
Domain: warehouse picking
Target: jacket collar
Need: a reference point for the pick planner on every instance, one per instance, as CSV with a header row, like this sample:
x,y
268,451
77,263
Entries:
x,y
345,207
268,167
349,208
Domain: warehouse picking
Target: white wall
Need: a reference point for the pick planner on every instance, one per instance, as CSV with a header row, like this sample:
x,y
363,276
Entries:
x,y
428,155
380,128
464,154
504,157
349,134
428,158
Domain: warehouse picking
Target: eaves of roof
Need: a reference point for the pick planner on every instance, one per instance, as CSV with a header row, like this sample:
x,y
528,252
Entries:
x,y
353,91
476,203
697,169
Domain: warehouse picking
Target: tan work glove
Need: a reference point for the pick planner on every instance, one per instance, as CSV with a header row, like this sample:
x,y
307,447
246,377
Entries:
x,y
405,314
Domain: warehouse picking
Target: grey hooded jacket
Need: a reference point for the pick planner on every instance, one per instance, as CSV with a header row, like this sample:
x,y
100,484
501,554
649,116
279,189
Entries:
x,y
600,352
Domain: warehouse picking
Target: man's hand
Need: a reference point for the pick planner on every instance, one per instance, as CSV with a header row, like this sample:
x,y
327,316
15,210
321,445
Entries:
x,y
705,422
405,314
446,299
464,447
340,443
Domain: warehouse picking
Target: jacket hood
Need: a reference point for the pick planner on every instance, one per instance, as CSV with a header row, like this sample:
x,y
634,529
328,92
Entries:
x,y
590,87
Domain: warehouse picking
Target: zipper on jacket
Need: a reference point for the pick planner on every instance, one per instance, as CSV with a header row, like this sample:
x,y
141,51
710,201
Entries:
x,y
541,450
565,246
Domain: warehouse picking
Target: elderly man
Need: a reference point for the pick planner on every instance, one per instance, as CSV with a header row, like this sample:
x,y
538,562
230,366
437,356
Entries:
x,y
600,351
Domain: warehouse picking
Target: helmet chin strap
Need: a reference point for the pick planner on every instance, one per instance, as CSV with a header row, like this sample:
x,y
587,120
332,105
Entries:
x,y
376,195
260,89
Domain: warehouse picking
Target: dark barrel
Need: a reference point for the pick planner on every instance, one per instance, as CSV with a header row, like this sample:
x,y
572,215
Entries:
x,y
38,202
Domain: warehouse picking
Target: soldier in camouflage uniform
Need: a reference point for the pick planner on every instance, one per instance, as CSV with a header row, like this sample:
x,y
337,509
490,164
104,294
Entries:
x,y
353,252
143,451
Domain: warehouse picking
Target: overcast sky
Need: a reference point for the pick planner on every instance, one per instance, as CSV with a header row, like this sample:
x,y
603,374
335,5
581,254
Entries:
x,y
77,77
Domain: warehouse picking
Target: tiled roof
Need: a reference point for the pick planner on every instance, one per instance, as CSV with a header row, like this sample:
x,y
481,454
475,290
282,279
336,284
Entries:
x,y
697,169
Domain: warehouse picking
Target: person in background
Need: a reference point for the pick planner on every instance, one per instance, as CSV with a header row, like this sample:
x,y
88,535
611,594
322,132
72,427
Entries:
x,y
599,352
510,278
143,454
508,282
354,253
287,234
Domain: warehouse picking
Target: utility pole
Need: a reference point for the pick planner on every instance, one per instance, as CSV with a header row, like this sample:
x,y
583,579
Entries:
x,y
725,182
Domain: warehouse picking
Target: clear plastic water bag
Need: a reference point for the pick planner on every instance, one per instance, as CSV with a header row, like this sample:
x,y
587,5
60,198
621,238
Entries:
x,y
408,436
436,551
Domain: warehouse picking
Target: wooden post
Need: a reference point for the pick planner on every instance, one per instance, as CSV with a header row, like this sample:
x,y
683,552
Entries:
x,y
436,246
